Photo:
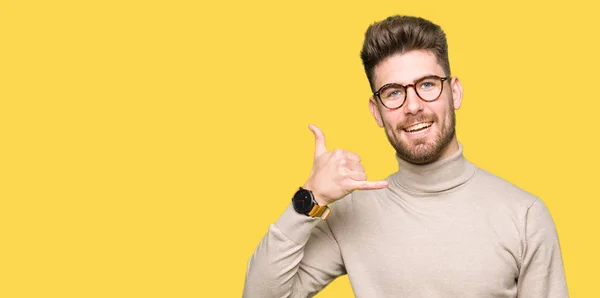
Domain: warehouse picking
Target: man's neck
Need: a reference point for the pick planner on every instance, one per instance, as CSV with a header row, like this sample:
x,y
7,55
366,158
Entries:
x,y
449,171
450,149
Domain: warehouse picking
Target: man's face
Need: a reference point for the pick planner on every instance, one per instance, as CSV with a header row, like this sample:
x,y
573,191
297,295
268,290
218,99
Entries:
x,y
421,132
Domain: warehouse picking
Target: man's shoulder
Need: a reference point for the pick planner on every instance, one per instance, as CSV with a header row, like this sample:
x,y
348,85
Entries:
x,y
500,188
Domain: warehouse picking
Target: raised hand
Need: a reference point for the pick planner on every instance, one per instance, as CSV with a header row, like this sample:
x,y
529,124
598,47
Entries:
x,y
337,173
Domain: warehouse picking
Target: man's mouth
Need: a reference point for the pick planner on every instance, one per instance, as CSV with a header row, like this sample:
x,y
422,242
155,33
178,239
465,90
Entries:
x,y
417,127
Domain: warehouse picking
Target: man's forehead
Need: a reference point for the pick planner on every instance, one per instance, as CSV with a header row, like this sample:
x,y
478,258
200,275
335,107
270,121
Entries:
x,y
407,67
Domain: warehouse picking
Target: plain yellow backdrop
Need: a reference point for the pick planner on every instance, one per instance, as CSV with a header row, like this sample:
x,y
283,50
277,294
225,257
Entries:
x,y
146,146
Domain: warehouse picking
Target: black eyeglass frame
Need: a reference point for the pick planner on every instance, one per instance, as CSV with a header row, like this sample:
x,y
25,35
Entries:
x,y
377,93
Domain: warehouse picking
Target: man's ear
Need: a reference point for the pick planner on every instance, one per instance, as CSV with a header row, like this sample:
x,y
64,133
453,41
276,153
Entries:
x,y
375,111
457,92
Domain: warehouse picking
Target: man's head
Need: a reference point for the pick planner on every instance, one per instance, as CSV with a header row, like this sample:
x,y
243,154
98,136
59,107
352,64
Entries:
x,y
419,123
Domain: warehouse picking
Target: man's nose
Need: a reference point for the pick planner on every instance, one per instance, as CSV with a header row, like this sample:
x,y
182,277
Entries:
x,y
413,104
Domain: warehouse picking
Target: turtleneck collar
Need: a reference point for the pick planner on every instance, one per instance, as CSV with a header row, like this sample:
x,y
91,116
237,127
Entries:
x,y
438,176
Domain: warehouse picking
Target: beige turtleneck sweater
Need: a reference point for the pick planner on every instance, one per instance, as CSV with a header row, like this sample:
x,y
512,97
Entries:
x,y
447,229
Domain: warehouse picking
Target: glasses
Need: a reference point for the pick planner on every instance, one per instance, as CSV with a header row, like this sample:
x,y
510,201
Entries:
x,y
393,95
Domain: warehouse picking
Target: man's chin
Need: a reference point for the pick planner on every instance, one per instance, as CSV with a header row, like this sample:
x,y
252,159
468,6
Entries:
x,y
417,150
421,154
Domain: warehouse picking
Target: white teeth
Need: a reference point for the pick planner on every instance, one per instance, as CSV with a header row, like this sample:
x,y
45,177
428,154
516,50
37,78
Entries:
x,y
418,126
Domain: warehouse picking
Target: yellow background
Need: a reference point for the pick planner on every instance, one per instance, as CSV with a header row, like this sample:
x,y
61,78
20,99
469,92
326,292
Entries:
x,y
147,145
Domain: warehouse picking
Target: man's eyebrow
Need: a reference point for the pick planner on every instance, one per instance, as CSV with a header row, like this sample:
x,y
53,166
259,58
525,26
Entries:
x,y
427,76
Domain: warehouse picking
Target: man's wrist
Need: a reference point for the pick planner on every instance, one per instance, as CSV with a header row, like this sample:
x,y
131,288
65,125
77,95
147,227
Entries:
x,y
316,195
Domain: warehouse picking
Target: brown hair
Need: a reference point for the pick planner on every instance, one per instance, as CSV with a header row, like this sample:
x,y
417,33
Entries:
x,y
400,34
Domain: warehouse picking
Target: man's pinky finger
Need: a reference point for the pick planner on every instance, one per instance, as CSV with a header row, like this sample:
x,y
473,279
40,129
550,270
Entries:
x,y
367,185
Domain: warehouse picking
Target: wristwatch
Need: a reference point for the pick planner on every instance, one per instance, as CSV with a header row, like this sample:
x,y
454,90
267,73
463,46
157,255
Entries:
x,y
304,202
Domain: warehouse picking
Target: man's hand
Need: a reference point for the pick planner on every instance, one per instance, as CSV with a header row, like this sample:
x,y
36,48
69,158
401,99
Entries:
x,y
336,174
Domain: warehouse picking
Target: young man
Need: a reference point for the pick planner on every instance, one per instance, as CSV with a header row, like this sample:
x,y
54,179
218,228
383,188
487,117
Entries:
x,y
438,227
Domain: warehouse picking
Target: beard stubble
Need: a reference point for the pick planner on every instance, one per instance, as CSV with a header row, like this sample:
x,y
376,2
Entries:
x,y
421,151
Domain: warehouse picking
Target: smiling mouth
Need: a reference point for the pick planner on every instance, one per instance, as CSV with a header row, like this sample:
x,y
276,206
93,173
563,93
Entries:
x,y
418,127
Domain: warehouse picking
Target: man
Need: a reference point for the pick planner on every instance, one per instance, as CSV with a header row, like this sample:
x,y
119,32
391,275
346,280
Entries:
x,y
438,227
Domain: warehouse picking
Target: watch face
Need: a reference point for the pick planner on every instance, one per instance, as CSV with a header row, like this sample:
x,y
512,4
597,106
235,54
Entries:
x,y
302,201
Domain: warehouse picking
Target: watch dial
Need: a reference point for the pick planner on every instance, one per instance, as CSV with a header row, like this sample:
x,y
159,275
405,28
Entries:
x,y
302,201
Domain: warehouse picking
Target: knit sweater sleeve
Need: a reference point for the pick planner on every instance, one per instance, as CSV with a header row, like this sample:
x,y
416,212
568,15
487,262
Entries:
x,y
296,258
542,272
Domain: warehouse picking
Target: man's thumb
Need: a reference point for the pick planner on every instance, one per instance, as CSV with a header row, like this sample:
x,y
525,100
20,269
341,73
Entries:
x,y
319,140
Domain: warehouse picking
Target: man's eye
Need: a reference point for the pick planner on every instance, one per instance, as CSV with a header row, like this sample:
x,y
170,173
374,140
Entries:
x,y
426,85
393,93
